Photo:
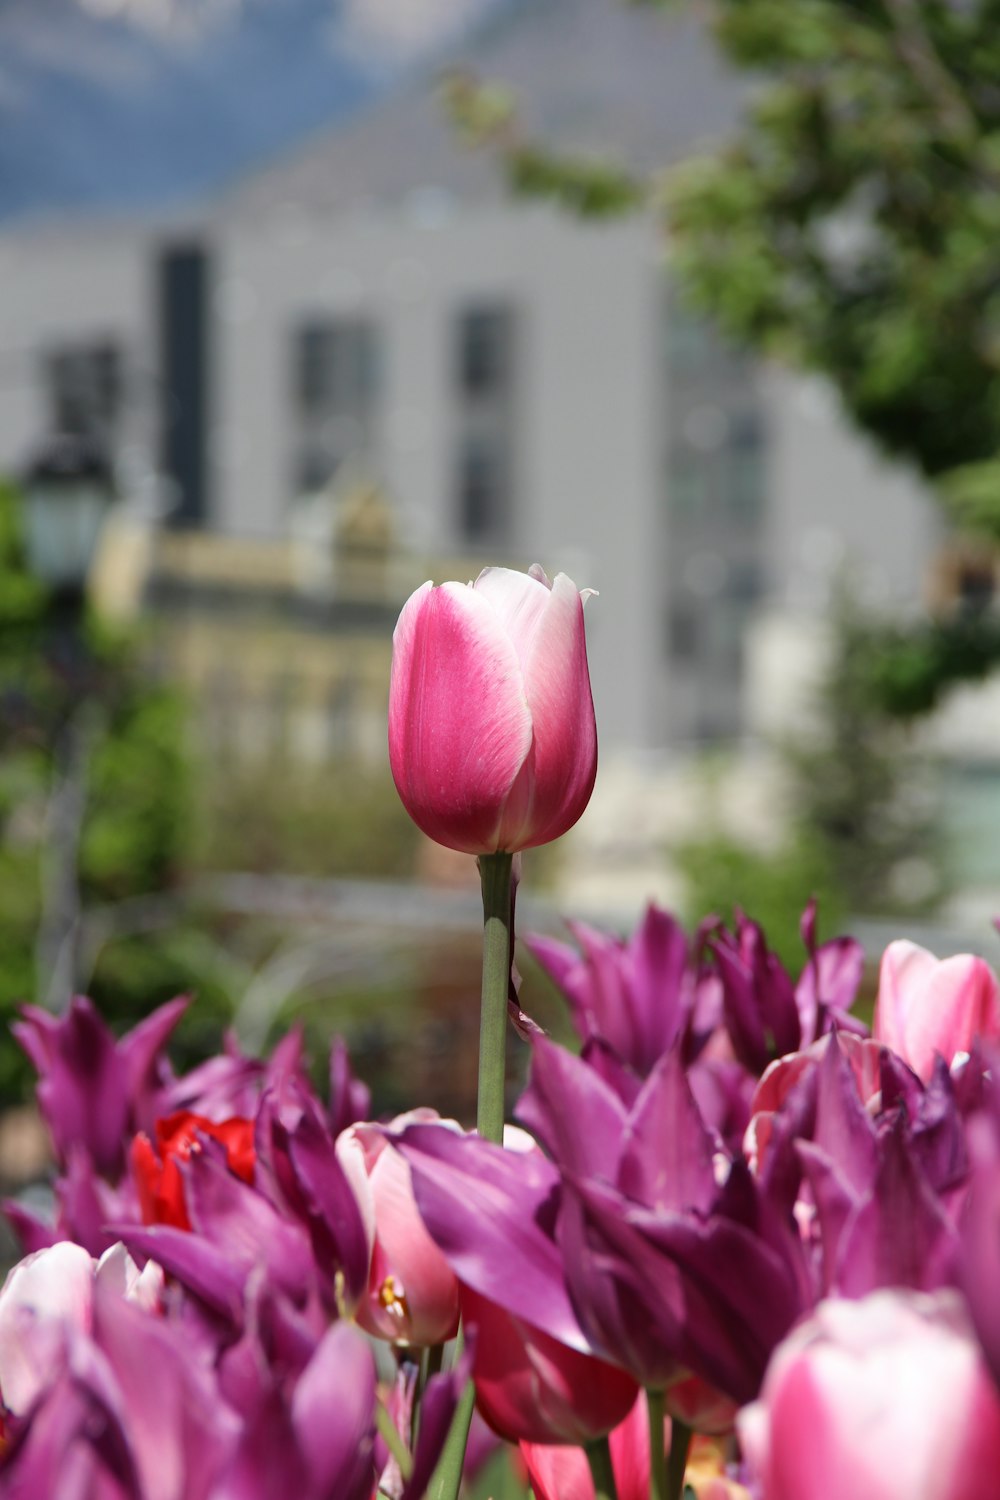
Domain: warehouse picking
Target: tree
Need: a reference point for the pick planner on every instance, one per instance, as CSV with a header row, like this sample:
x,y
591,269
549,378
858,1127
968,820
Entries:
x,y
104,831
851,227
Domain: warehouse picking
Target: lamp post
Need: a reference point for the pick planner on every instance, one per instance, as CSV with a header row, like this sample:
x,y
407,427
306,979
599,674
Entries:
x,y
68,491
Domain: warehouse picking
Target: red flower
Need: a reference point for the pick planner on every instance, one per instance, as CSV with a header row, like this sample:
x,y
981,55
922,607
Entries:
x,y
157,1174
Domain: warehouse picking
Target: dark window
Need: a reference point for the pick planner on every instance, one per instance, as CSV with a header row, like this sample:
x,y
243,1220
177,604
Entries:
x,y
482,490
336,366
484,351
185,352
315,469
84,386
335,383
745,584
683,634
689,483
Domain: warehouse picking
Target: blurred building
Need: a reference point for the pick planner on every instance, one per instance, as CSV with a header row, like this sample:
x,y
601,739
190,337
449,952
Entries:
x,y
375,312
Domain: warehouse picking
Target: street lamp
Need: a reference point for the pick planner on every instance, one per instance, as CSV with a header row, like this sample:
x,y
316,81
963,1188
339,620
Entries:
x,y
68,491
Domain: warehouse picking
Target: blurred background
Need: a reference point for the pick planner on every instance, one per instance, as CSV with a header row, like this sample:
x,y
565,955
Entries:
x,y
305,301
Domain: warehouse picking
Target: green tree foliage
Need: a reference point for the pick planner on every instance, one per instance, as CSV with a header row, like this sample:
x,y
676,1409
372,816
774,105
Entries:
x,y
854,224
135,785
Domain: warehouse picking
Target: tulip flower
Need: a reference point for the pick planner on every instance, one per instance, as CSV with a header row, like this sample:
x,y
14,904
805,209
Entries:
x,y
158,1178
45,1297
530,1388
412,1292
492,739
887,1397
562,1473
636,996
927,1006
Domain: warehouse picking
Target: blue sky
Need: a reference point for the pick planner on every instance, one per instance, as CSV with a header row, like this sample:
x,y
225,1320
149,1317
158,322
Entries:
x,y
114,104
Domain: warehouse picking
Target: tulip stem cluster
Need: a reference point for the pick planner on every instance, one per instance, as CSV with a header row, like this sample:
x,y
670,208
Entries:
x,y
601,1469
495,872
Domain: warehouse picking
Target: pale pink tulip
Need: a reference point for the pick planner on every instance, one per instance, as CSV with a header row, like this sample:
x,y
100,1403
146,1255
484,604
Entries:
x,y
927,1006
886,1398
492,739
48,1292
412,1292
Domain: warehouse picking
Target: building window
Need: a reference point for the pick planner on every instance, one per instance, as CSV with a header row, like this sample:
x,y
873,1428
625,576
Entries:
x,y
485,357
484,349
745,475
336,388
689,484
84,388
683,635
482,490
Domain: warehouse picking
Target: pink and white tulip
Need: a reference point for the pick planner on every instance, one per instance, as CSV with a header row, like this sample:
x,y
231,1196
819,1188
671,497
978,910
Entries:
x,y
887,1397
927,1005
52,1291
412,1292
492,737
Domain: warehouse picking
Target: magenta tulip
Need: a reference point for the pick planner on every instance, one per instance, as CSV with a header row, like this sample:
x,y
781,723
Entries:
x,y
562,1473
492,739
927,1005
530,1388
887,1397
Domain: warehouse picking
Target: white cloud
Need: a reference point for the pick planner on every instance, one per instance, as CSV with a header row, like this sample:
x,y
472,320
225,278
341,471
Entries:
x,y
386,34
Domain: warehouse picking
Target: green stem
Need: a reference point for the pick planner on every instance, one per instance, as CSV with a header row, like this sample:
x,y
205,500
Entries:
x,y
448,1475
599,1458
658,1479
431,1361
393,1441
680,1444
495,873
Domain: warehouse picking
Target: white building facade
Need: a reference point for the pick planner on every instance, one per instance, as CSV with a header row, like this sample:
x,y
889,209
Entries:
x,y
516,381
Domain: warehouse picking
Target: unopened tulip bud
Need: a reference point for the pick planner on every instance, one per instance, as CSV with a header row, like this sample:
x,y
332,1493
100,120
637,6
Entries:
x,y
927,1005
492,739
887,1396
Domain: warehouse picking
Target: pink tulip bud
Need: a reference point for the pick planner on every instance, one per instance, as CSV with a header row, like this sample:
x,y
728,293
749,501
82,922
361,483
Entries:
x,y
927,1005
886,1398
531,1388
412,1292
492,739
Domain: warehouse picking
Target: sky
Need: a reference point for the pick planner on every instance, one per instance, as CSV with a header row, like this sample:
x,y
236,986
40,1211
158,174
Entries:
x,y
118,104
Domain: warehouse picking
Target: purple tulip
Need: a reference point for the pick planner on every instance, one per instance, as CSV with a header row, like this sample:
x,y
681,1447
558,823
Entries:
x,y
635,996
980,1268
492,739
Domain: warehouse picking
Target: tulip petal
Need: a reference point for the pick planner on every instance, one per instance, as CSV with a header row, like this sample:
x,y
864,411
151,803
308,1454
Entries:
x,y
489,1211
459,724
520,602
557,686
573,1112
338,1440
